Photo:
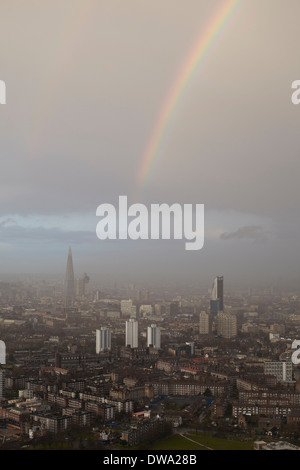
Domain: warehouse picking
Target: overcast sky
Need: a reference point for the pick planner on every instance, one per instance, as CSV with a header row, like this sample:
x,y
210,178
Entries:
x,y
86,81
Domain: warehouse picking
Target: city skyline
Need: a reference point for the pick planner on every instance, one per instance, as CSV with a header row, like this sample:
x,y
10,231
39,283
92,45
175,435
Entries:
x,y
74,286
77,369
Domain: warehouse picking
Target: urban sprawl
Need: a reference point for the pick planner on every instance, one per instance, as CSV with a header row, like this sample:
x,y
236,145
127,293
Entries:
x,y
126,366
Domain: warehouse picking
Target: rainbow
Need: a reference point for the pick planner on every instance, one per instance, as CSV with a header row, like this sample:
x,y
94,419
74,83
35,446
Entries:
x,y
180,85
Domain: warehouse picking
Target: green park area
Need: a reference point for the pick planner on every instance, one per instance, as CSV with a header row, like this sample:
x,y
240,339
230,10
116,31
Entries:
x,y
201,441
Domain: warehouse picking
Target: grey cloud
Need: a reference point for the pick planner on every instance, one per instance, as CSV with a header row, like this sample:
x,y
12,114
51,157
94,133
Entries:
x,y
6,221
34,234
252,232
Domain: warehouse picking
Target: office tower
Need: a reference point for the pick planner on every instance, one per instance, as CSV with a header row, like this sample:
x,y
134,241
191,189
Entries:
x,y
103,340
204,323
2,352
157,310
82,286
133,313
153,336
128,309
97,296
131,333
69,281
2,384
283,371
226,325
145,310
191,345
217,302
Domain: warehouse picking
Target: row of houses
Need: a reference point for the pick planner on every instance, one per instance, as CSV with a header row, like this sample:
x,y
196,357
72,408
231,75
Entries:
x,y
188,387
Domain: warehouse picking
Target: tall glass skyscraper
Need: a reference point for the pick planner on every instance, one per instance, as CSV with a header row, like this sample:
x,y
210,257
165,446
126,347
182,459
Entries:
x,y
217,301
69,282
2,352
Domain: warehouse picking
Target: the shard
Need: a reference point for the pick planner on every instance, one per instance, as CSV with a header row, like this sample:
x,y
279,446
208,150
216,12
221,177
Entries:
x,y
69,282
